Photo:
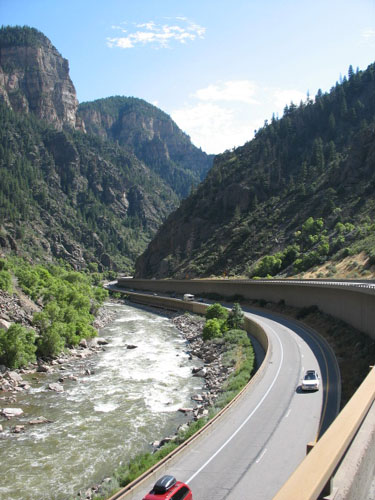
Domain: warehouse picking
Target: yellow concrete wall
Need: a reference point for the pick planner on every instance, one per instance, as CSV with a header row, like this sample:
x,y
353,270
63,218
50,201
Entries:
x,y
355,306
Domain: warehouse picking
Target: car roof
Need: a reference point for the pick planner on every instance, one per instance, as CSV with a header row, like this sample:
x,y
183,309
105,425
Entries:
x,y
153,495
164,484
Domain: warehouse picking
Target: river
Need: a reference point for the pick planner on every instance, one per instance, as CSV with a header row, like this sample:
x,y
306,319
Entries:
x,y
123,400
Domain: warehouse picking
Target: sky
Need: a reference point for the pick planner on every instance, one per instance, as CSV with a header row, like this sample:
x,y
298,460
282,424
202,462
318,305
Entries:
x,y
219,68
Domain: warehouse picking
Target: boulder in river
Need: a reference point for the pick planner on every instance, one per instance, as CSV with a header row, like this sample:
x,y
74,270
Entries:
x,y
56,387
39,420
18,428
44,369
101,341
197,397
185,410
11,412
14,377
201,373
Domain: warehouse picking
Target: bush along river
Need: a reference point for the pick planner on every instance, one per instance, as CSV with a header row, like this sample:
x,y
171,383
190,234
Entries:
x,y
66,426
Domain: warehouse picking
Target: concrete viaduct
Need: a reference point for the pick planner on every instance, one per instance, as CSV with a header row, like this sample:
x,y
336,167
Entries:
x,y
345,455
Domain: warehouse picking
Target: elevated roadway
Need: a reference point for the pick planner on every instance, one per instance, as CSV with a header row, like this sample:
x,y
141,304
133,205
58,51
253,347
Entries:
x,y
258,444
261,440
346,452
351,301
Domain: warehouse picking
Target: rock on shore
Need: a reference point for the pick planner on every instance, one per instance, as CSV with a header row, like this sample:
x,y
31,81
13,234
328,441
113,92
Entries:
x,y
213,370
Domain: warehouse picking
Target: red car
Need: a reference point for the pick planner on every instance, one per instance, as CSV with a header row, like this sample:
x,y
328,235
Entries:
x,y
167,488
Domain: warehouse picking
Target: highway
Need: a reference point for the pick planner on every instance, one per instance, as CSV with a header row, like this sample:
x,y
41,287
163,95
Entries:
x,y
259,442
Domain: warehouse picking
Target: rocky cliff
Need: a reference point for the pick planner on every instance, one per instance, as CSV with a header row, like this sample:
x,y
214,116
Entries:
x,y
152,136
34,78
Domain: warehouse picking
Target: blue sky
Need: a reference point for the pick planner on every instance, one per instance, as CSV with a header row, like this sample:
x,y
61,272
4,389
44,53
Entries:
x,y
218,67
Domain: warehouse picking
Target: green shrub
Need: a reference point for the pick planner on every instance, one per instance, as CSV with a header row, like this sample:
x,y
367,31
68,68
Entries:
x,y
212,329
270,264
237,336
217,311
236,318
3,265
50,343
17,346
5,281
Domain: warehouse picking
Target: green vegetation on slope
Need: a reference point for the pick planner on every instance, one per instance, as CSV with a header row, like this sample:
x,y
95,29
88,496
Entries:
x,y
75,196
317,161
313,245
70,300
21,36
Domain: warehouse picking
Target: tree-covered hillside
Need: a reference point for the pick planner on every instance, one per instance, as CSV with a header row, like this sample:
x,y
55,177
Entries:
x,y
69,195
21,36
152,136
300,193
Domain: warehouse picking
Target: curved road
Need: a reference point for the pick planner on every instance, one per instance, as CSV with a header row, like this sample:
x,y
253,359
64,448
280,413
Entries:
x,y
259,442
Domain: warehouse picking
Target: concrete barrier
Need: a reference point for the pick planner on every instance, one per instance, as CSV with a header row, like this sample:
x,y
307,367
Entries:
x,y
354,304
356,473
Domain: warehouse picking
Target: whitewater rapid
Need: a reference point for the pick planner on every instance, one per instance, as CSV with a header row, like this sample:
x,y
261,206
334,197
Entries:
x,y
123,400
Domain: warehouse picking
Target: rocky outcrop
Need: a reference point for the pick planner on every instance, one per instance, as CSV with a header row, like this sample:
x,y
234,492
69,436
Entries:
x,y
151,135
16,309
34,78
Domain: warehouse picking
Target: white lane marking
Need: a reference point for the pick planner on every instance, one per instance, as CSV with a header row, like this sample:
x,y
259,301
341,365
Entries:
x,y
248,417
261,456
288,413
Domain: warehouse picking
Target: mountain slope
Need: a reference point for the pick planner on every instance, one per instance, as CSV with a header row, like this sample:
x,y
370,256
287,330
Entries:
x,y
68,195
64,193
151,135
301,192
94,197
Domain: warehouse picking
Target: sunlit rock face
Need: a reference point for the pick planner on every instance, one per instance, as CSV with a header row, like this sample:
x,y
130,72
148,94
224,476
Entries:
x,y
34,78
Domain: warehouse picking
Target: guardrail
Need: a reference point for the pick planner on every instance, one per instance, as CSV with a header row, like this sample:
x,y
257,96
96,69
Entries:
x,y
316,470
133,489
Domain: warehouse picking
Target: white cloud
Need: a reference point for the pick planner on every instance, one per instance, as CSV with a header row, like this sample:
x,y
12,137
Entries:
x,y
368,33
212,127
231,91
158,36
222,115
368,37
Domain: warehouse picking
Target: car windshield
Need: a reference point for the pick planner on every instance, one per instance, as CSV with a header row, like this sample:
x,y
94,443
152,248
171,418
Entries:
x,y
310,376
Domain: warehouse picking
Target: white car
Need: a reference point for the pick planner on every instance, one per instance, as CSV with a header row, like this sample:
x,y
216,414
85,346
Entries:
x,y
310,381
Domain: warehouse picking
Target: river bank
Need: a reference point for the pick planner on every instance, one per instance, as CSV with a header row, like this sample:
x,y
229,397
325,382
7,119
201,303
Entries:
x,y
93,407
27,402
